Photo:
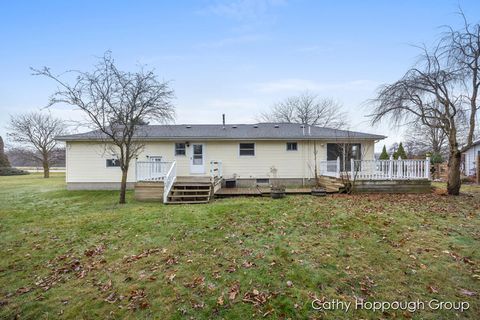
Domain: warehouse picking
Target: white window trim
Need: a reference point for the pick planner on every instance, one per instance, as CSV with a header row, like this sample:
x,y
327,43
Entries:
x,y
248,155
175,149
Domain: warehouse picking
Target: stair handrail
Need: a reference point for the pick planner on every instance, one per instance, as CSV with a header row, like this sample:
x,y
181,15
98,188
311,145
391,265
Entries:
x,y
169,181
216,169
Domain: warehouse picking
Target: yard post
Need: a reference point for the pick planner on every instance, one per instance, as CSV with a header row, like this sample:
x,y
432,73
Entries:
x,y
390,168
400,168
427,169
338,167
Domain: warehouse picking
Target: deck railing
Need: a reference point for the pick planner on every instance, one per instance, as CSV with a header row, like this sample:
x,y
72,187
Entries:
x,y
169,181
151,170
377,169
329,168
390,169
216,169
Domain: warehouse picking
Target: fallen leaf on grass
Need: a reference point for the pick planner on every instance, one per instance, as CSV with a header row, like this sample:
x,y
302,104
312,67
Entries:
x,y
171,276
232,268
111,298
248,264
197,281
198,305
137,300
23,290
432,289
144,254
256,297
97,250
107,286
234,290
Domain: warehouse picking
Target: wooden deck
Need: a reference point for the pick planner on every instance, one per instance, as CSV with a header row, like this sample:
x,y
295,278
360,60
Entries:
x,y
257,191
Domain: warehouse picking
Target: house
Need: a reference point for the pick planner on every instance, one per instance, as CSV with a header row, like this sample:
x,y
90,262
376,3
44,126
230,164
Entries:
x,y
183,157
470,159
248,152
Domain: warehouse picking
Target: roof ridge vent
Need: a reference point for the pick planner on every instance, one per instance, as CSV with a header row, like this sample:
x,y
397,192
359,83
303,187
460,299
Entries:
x,y
188,127
255,125
234,127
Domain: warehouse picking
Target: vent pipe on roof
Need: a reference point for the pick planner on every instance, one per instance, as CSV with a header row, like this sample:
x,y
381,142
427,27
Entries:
x,y
223,120
303,129
309,131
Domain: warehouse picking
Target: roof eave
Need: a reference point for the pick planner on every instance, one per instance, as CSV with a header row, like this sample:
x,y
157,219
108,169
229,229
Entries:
x,y
346,139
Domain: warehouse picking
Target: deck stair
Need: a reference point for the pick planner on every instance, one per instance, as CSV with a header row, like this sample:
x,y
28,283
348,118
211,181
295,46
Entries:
x,y
331,184
190,190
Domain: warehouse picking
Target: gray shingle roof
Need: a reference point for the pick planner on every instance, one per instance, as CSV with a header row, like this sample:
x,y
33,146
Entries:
x,y
259,131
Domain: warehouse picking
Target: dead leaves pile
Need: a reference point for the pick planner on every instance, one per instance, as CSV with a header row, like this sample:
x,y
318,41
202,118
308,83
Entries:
x,y
67,264
137,300
256,297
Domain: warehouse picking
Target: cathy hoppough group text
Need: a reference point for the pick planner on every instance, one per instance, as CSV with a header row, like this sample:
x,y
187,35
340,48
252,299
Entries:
x,y
382,306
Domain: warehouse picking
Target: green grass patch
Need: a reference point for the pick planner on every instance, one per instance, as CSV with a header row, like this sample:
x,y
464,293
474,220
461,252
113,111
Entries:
x,y
78,254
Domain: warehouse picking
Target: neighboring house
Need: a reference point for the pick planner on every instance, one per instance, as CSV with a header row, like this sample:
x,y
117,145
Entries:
x,y
249,153
470,158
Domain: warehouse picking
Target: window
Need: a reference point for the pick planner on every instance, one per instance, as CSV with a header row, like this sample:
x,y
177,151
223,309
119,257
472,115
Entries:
x,y
247,149
180,149
113,163
292,146
263,181
346,152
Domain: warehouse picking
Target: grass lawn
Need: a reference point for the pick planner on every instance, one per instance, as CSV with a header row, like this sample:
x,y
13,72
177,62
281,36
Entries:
x,y
78,254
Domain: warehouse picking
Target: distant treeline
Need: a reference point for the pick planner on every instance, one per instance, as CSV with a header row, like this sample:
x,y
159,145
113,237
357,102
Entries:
x,y
20,157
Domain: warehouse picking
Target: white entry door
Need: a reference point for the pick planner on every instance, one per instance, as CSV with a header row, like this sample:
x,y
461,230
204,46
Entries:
x,y
197,158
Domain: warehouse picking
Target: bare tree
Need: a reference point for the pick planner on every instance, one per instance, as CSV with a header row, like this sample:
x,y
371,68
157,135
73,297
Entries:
x,y
117,105
421,139
37,131
441,91
307,108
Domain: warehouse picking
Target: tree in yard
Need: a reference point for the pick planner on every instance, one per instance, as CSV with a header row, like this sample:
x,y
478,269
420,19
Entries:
x,y
37,131
400,153
117,105
421,139
384,155
441,91
309,109
4,163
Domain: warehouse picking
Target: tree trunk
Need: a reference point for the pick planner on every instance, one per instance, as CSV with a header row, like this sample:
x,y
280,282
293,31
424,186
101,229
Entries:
x,y
46,168
454,182
123,186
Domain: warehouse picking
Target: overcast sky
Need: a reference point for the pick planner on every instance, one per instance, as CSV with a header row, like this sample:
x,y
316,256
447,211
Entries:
x,y
234,57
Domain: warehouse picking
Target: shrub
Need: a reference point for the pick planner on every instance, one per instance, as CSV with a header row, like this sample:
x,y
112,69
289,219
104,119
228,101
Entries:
x,y
384,154
8,171
400,153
